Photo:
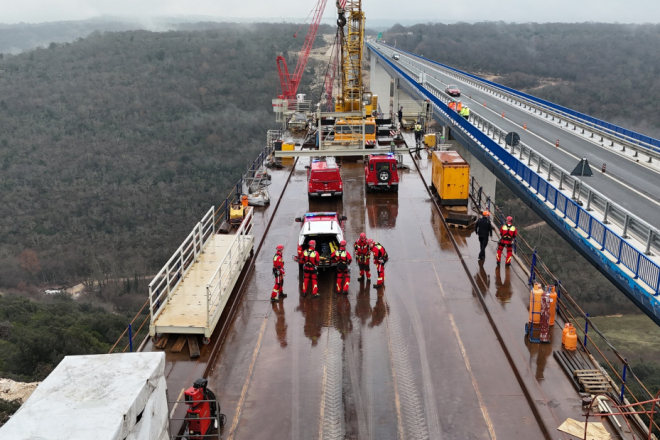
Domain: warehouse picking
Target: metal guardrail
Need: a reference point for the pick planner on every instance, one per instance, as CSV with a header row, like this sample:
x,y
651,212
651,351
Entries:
x,y
172,274
627,138
643,270
221,283
631,225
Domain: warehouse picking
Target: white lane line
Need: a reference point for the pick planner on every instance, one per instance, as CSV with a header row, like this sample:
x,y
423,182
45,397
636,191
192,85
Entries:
x,y
579,158
570,132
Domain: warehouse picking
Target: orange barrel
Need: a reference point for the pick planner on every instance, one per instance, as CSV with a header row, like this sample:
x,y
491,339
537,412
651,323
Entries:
x,y
553,304
571,339
244,200
564,332
535,303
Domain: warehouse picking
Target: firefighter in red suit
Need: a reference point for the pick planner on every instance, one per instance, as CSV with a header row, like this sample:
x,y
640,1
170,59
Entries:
x,y
380,258
343,259
278,272
311,260
362,256
508,234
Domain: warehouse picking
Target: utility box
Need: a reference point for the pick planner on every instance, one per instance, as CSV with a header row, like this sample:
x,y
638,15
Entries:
x,y
430,140
100,397
451,178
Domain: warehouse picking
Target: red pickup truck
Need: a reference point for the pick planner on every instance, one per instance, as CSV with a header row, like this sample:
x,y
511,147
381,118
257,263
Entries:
x,y
324,179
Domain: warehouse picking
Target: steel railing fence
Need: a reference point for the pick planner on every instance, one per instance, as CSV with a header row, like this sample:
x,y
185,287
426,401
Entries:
x,y
160,287
642,268
633,139
568,308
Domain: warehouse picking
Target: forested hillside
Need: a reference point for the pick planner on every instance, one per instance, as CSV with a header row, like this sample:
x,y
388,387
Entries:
x,y
112,147
611,71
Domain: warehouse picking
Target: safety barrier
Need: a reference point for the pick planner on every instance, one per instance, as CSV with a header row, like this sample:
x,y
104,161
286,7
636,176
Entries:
x,y
652,144
221,283
621,260
176,268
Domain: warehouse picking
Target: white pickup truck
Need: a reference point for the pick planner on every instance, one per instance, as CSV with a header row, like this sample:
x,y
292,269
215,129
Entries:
x,y
326,228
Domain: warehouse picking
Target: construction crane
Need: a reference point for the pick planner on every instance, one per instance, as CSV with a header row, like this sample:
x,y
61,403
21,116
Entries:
x,y
290,83
352,95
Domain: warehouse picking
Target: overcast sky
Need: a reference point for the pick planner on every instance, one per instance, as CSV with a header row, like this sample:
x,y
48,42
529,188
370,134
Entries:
x,y
630,11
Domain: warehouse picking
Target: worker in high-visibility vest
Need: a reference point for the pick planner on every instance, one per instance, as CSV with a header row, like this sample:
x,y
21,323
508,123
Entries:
x,y
380,258
363,256
418,133
311,261
278,272
459,106
508,234
465,112
343,259
452,105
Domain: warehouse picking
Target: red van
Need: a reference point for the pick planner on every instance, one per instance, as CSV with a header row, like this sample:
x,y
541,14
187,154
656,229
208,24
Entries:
x,y
324,179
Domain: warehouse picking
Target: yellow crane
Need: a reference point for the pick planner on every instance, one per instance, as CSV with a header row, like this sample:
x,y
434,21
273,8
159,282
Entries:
x,y
352,94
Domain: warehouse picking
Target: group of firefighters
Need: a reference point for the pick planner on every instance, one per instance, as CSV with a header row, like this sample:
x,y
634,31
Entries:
x,y
310,260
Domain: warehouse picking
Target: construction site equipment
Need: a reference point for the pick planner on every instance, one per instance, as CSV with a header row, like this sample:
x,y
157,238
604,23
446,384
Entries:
x,y
552,294
539,315
430,140
565,331
450,178
183,297
103,397
290,83
570,341
351,30
457,220
203,412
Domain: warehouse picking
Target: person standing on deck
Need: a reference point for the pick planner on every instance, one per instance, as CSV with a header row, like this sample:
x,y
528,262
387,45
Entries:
x,y
278,272
380,258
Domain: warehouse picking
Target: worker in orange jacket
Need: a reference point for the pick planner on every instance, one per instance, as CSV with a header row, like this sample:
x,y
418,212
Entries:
x,y
311,261
452,105
278,272
343,259
459,106
380,258
508,234
363,256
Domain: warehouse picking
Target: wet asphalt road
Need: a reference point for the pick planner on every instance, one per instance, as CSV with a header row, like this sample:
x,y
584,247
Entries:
x,y
416,359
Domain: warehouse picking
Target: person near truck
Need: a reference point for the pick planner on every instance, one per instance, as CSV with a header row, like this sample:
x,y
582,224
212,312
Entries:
x,y
400,114
311,261
508,234
380,258
484,230
363,256
343,259
419,132
278,272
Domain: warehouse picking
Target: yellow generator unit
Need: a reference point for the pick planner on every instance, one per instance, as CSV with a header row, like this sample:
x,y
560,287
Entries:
x,y
451,178
430,140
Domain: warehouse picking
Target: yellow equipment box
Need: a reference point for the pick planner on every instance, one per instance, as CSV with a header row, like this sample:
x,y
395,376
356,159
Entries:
x,y
287,146
451,178
429,140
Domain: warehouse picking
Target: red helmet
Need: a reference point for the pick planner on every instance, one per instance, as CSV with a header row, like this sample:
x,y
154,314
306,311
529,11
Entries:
x,y
312,243
363,236
370,242
342,244
280,247
509,219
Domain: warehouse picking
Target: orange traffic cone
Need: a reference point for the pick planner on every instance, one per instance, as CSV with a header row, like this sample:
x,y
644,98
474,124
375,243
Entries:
x,y
502,114
525,126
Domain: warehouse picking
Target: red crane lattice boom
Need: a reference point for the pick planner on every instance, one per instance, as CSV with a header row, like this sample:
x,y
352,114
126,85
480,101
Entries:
x,y
290,82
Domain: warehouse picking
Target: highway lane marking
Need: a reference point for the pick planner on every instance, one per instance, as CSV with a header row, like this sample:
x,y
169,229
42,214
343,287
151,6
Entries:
x,y
577,158
178,399
482,405
248,379
547,122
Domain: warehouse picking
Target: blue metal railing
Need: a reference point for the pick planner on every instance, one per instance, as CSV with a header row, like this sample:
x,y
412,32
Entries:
x,y
629,135
642,267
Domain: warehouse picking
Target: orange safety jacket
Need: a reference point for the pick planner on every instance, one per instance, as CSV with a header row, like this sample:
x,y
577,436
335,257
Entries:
x,y
361,249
